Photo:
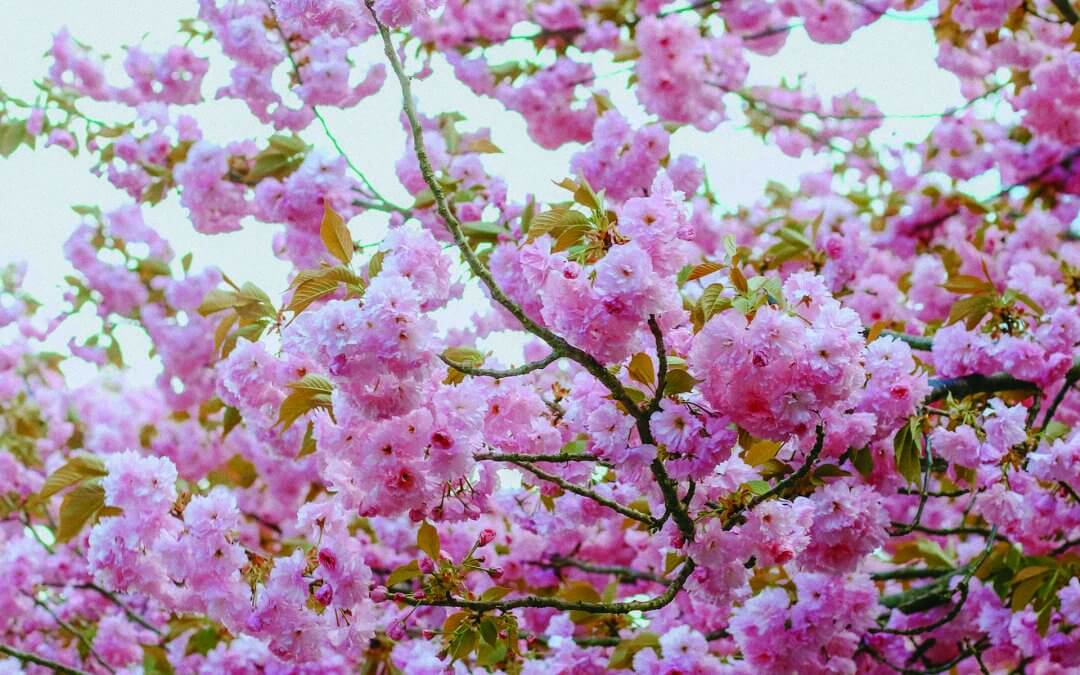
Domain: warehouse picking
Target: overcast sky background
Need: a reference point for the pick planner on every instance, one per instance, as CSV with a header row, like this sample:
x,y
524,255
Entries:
x,y
891,61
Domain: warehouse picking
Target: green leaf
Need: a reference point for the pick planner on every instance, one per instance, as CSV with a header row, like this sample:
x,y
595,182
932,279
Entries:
x,y
218,300
77,469
712,301
926,550
409,570
1025,590
679,382
427,540
494,594
577,590
757,487
761,451
11,135
230,420
641,369
203,641
335,235
309,292
623,655
479,230
463,644
970,310
863,460
489,632
156,661
965,284
907,447
78,507
483,145
375,264
310,393
307,446
489,656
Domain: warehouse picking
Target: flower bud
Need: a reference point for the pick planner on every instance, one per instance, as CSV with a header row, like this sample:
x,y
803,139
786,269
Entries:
x,y
487,535
378,594
495,572
396,630
427,566
328,559
325,594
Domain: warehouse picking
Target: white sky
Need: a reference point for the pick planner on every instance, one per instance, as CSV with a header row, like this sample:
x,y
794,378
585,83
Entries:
x,y
891,62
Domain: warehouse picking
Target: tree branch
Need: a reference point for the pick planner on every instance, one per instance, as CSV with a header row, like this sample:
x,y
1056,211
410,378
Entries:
x,y
588,494
518,457
968,385
500,374
27,657
557,343
71,630
652,604
783,485
1066,10
662,366
627,573
1070,379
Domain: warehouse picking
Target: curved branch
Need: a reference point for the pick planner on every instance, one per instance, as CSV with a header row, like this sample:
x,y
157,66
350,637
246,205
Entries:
x,y
558,344
918,342
27,657
627,573
517,457
923,495
500,374
784,484
588,494
968,385
662,366
655,603
1070,380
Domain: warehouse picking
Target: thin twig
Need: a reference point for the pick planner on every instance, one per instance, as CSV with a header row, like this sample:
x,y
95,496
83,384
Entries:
x,y
588,494
529,459
652,604
783,485
500,374
627,573
73,631
27,657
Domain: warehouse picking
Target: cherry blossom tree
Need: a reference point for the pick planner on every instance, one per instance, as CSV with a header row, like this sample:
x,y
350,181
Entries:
x,y
836,430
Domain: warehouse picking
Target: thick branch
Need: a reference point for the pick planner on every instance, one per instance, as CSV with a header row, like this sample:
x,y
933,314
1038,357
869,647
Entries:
x,y
655,603
919,342
27,657
967,385
558,344
588,494
500,374
1066,10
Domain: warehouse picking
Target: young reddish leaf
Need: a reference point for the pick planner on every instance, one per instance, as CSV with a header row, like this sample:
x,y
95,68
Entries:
x,y
704,270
